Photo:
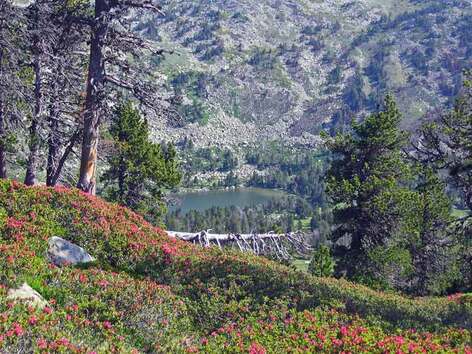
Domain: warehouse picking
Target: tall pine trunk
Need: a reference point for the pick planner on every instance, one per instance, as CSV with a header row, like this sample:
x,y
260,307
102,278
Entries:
x,y
33,158
3,158
95,83
53,139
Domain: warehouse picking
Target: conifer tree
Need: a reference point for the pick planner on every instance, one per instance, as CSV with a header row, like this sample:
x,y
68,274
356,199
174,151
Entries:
x,y
365,187
432,247
12,86
114,51
446,143
139,170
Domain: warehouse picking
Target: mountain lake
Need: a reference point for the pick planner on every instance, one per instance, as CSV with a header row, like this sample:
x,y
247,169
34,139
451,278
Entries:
x,y
241,197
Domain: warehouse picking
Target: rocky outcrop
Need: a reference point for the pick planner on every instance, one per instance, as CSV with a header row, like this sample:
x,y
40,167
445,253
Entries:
x,y
62,252
250,71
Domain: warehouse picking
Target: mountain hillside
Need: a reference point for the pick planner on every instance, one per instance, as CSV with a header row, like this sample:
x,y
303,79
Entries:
x,y
146,293
263,70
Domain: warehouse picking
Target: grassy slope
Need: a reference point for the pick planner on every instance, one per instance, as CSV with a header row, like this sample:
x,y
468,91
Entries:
x,y
156,294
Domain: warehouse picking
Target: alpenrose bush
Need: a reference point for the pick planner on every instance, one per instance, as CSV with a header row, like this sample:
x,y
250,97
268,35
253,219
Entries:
x,y
151,293
325,331
95,311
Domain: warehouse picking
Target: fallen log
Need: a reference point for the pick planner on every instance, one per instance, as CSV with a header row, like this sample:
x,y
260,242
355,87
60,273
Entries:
x,y
280,246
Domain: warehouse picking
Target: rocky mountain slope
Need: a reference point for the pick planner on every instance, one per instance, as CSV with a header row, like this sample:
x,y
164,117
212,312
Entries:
x,y
270,69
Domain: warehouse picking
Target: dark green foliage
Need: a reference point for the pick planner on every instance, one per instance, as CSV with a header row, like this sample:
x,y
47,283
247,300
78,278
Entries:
x,y
419,61
202,160
231,180
392,216
195,112
139,170
353,95
313,223
263,59
322,264
446,143
364,184
431,245
297,171
194,85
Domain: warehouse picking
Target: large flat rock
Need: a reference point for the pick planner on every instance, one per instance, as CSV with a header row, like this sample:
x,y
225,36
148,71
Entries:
x,y
62,252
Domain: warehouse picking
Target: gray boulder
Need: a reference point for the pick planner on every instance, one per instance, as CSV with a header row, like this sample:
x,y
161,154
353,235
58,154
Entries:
x,y
62,252
27,295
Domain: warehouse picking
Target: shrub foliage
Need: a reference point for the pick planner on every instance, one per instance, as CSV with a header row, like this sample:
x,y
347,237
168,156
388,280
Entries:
x,y
150,293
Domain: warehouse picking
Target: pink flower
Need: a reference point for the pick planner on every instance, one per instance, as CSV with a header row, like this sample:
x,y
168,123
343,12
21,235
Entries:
x,y
13,223
168,250
103,283
42,344
107,325
344,330
83,278
337,342
33,320
411,347
47,310
256,348
399,340
17,329
288,321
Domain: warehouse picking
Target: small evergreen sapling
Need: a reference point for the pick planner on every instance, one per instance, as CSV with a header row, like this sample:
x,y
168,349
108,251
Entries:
x,y
322,263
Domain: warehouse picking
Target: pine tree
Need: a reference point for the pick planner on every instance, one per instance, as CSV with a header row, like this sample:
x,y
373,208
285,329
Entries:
x,y
431,243
113,50
13,88
446,143
139,170
365,187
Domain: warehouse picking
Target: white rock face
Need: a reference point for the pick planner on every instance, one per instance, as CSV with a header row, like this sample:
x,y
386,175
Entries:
x,y
62,252
28,295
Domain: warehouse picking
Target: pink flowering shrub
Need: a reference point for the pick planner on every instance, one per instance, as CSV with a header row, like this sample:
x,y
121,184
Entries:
x,y
327,331
150,293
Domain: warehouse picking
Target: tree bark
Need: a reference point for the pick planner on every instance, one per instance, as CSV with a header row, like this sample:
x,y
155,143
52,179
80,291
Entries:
x,y
95,83
53,154
3,159
57,170
53,139
33,158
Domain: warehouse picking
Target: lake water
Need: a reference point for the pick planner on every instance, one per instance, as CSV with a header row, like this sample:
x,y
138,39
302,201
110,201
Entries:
x,y
241,197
